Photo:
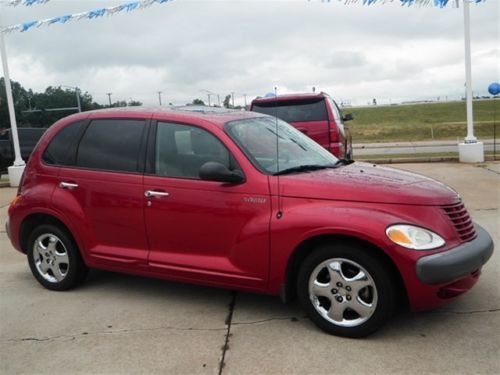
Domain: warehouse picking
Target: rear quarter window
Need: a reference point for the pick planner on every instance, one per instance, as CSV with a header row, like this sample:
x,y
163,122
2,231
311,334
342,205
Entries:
x,y
58,152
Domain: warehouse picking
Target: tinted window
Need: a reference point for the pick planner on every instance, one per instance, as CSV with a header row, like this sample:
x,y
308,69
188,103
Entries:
x,y
182,149
294,111
59,149
111,145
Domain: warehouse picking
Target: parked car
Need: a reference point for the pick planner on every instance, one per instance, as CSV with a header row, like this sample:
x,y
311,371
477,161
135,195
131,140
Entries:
x,y
316,115
241,200
28,138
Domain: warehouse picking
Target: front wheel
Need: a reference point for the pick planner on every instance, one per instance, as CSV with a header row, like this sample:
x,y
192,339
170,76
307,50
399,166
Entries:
x,y
345,290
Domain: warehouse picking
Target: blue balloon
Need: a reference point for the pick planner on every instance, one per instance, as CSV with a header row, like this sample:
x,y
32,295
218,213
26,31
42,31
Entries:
x,y
269,95
494,88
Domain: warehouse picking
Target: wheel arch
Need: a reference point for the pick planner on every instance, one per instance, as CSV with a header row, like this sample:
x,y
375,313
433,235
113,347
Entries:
x,y
306,247
34,220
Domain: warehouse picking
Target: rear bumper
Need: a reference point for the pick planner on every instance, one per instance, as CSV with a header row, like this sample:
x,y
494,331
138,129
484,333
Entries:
x,y
458,262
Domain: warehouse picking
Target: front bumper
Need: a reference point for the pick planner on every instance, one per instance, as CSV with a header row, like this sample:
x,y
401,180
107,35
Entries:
x,y
458,262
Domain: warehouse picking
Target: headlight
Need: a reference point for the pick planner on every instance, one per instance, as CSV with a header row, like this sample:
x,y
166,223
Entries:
x,y
412,237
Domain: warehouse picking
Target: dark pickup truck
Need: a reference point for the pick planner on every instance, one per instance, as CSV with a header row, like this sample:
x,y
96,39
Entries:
x,y
28,138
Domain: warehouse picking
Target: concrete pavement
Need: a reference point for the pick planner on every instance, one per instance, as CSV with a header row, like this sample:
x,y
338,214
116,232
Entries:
x,y
125,324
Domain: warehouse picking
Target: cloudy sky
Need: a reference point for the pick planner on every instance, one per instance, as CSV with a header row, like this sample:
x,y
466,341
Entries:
x,y
183,47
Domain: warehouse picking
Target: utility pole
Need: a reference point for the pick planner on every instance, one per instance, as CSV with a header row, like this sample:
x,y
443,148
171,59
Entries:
x,y
159,97
109,97
77,90
218,99
232,98
208,96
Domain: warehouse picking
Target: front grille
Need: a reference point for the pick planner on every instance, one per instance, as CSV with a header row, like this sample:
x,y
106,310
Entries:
x,y
461,220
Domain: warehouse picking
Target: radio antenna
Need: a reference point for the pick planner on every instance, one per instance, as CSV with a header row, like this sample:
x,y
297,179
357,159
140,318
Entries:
x,y
279,214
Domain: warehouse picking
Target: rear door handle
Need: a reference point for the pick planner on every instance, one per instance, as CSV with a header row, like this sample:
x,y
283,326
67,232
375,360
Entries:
x,y
68,185
152,193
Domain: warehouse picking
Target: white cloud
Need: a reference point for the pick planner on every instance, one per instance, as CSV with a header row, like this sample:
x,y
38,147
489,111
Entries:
x,y
354,52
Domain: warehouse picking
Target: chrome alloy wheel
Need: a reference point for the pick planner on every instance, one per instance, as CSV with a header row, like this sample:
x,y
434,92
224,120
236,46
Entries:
x,y
51,258
342,292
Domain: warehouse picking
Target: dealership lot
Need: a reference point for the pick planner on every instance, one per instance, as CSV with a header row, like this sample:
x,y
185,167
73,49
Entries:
x,y
126,324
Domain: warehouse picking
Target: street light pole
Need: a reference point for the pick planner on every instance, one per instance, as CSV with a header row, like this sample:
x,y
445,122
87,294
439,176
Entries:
x,y
245,96
232,98
159,97
109,97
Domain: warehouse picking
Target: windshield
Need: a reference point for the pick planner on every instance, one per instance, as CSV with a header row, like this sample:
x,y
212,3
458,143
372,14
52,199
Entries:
x,y
260,138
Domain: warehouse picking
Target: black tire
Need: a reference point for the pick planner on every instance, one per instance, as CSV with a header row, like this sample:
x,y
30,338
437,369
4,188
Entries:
x,y
376,301
54,258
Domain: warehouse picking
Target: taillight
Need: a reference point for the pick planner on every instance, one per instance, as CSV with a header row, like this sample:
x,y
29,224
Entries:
x,y
15,201
334,132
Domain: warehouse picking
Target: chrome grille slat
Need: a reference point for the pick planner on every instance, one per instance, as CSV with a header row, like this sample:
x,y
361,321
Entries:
x,y
461,220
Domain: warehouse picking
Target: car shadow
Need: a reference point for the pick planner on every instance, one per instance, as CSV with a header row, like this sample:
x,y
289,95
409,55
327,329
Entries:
x,y
250,309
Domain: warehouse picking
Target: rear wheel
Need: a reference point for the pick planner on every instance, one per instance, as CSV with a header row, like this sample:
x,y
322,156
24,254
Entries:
x,y
54,258
345,290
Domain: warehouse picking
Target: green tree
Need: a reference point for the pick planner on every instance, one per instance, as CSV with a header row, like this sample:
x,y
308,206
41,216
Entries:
x,y
48,106
198,102
134,103
227,101
20,96
42,109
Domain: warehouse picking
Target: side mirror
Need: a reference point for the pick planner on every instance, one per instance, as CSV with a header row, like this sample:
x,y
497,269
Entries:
x,y
348,117
215,171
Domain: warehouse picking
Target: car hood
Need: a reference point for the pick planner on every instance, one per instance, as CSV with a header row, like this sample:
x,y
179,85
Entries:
x,y
363,182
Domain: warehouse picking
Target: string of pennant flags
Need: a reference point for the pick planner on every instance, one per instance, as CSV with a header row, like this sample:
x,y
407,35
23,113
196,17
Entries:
x,y
141,4
438,3
91,14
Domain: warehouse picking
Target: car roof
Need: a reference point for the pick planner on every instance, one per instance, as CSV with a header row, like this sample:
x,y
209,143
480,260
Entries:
x,y
291,97
216,115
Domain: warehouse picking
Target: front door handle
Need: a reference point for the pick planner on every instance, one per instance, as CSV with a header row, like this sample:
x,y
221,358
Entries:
x,y
68,185
152,193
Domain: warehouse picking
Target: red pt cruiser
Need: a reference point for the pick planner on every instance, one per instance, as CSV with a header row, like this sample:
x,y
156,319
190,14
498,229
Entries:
x,y
242,201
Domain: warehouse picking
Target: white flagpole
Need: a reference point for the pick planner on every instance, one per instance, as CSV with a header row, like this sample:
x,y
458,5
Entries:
x,y
15,171
468,76
470,151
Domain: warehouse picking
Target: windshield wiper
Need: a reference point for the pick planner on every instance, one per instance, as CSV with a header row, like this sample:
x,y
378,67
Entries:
x,y
343,162
304,168
313,167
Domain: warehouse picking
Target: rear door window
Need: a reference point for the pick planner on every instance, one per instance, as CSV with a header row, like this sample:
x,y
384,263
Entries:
x,y
294,111
111,145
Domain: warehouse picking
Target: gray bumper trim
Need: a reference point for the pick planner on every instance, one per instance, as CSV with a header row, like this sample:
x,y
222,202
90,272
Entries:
x,y
458,262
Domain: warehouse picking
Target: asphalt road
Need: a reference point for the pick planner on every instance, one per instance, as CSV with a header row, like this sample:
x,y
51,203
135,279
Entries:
x,y
117,324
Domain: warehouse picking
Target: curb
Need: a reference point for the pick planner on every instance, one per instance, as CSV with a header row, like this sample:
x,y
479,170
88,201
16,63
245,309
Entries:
x,y
423,159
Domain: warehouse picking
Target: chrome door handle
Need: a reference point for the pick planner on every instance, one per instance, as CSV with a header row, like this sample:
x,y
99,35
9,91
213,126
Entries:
x,y
68,185
152,193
